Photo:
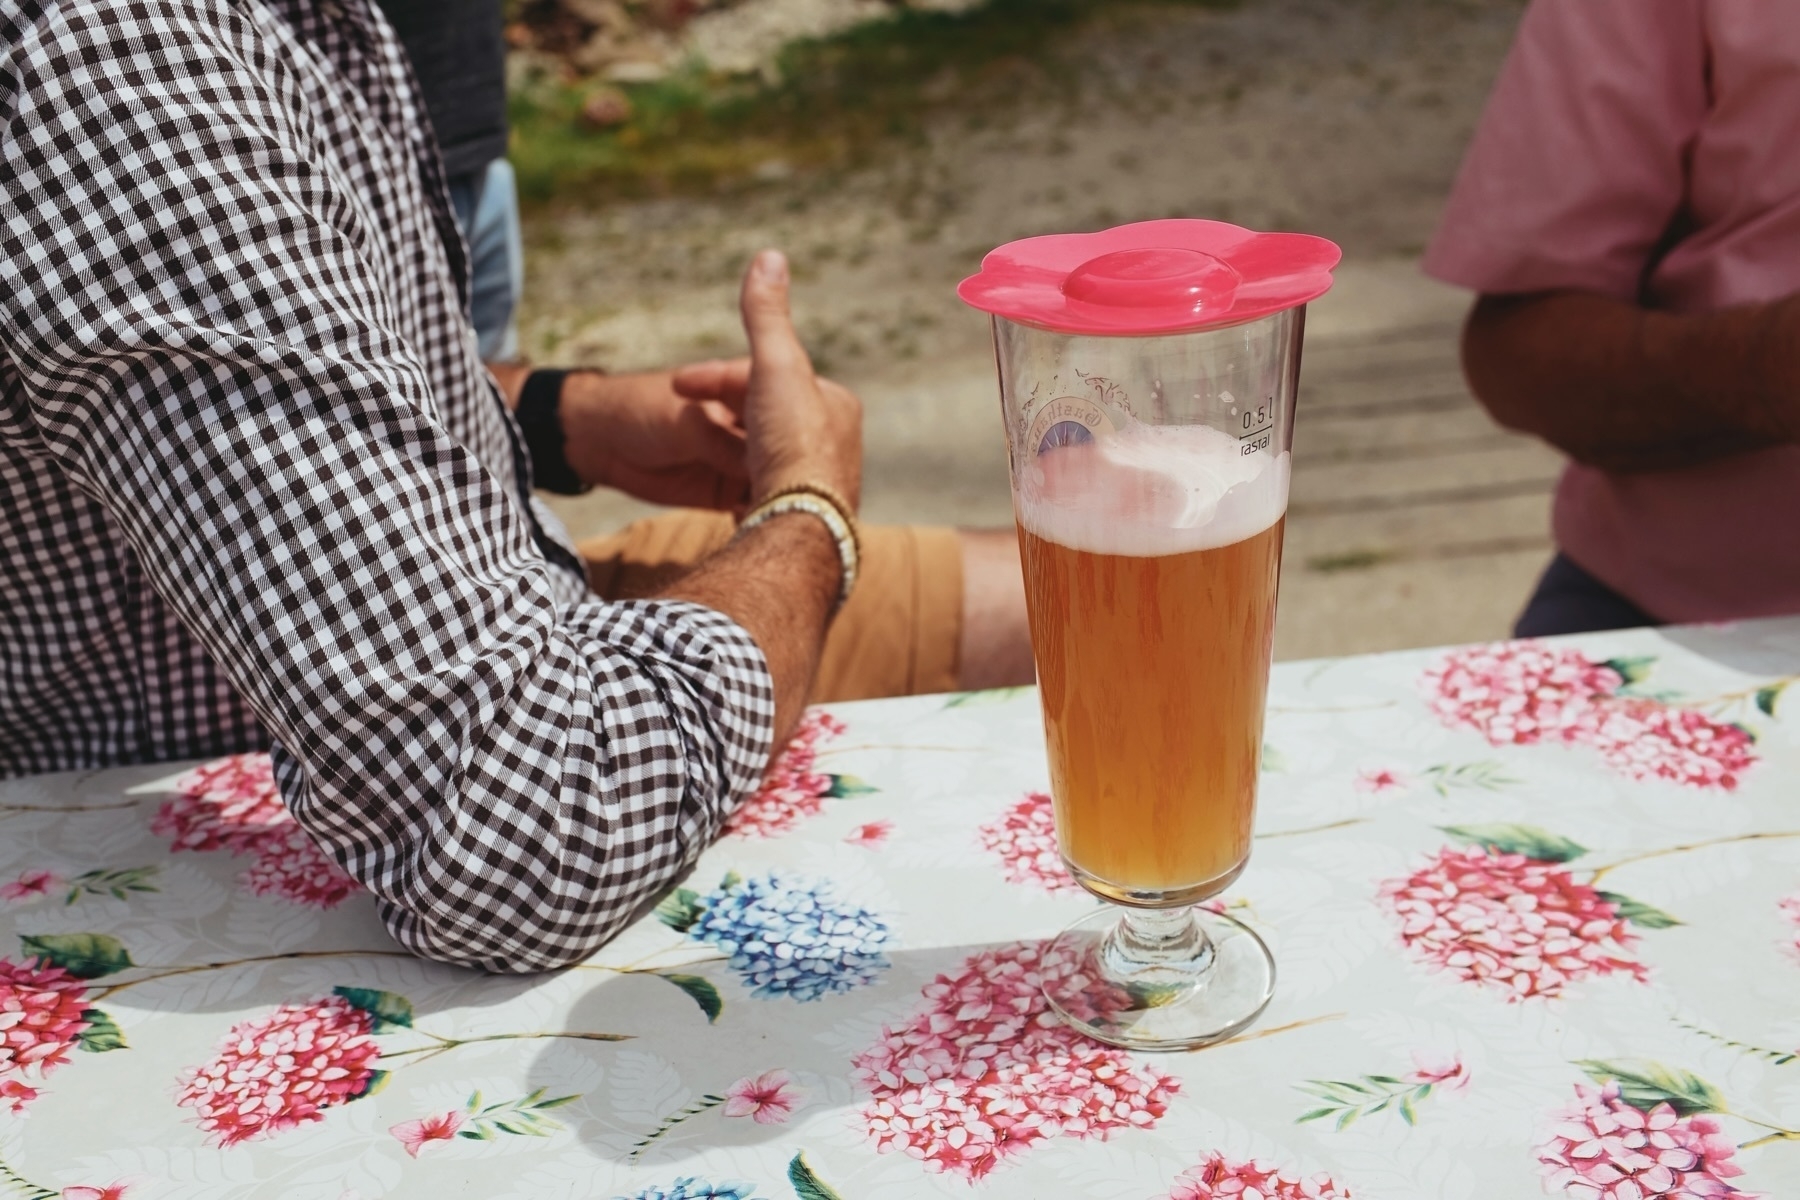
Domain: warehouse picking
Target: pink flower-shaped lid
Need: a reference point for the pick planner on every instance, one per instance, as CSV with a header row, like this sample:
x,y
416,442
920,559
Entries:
x,y
1154,277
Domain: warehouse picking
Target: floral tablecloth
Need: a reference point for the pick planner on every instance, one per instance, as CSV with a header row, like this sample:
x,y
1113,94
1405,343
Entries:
x,y
1536,908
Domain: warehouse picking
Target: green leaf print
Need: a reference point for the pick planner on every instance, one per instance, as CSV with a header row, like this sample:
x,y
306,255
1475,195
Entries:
x,y
1767,698
377,1081
16,1185
704,1104
703,992
117,882
1273,761
1644,1085
1638,913
679,909
390,1011
1156,995
988,696
1488,776
1349,1100
807,1184
521,1118
102,1033
1632,670
1780,1058
1528,840
83,955
845,786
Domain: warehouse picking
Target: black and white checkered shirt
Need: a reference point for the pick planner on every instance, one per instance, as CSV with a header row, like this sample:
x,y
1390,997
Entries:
x,y
256,488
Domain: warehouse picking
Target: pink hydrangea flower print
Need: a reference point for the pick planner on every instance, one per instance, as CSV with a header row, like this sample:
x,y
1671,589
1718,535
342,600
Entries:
x,y
233,804
1220,1178
15,1095
1378,780
43,1013
1515,924
1644,739
767,1099
1024,839
416,1135
228,804
282,1070
290,866
871,835
30,885
1517,693
1604,1149
984,1071
1444,1074
793,789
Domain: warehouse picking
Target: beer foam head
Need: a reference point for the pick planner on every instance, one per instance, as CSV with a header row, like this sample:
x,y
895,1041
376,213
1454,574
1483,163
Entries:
x,y
1152,490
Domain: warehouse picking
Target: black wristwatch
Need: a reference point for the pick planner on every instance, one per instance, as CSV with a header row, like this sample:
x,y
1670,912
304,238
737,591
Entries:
x,y
540,421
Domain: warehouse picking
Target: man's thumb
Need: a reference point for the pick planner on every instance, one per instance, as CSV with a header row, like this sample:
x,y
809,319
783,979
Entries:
x,y
765,306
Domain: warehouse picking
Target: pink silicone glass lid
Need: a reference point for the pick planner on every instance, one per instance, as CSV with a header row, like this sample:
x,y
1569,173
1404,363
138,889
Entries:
x,y
1153,277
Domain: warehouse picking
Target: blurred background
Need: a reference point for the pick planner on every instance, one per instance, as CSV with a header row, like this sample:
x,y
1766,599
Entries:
x,y
887,144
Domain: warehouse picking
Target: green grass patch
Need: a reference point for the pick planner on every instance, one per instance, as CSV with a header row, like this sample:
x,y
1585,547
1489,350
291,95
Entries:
x,y
834,101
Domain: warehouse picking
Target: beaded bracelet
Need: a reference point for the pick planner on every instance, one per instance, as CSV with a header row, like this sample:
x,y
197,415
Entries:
x,y
825,504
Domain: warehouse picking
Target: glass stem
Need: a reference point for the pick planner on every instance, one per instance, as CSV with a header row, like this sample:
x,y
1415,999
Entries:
x,y
1154,937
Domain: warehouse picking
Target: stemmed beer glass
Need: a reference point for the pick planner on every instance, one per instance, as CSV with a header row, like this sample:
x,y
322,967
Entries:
x,y
1147,379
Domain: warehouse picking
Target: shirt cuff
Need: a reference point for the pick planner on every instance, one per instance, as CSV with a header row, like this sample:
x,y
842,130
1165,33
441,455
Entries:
x,y
725,672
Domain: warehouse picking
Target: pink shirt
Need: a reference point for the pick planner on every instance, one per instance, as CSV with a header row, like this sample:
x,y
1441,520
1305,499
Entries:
x,y
1649,150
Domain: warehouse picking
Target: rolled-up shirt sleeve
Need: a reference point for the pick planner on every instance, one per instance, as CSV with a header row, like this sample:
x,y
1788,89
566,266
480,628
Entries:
x,y
202,318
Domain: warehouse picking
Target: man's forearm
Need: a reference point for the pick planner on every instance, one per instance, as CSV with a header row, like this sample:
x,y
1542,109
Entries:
x,y
1626,389
780,582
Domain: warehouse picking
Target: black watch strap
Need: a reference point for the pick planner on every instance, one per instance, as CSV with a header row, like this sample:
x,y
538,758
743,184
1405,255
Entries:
x,y
541,423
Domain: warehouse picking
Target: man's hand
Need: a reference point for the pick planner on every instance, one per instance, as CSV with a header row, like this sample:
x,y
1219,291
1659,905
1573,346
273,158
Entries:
x,y
780,580
721,434
650,438
801,429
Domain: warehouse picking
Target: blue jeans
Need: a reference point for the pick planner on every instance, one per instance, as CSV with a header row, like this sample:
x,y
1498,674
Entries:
x,y
1569,600
487,208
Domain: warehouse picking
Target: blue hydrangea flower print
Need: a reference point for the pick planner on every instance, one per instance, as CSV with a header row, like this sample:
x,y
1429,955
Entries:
x,y
789,936
689,1187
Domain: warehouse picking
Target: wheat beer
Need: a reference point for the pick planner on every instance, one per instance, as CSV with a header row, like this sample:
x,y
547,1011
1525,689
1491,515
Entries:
x,y
1151,559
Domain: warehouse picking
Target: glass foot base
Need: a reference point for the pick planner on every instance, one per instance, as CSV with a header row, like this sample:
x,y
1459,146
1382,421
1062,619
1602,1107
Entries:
x,y
1168,979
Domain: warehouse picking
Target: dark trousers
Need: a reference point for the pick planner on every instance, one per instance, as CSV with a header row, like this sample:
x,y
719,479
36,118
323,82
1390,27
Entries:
x,y
1569,600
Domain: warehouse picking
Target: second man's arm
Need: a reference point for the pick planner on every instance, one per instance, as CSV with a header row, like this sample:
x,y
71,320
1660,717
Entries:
x,y
1624,388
